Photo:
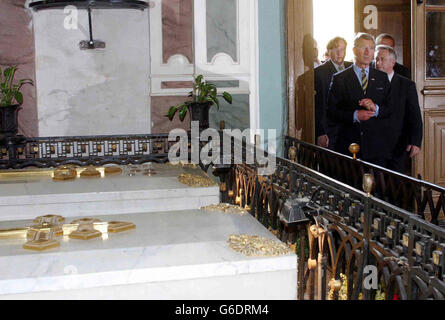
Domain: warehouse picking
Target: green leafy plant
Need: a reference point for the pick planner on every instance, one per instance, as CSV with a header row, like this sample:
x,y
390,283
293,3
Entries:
x,y
10,92
203,92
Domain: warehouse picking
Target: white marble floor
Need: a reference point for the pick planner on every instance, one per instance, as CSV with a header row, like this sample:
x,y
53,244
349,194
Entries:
x,y
26,198
170,255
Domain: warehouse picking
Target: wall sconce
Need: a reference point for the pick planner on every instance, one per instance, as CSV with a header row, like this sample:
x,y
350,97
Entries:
x,y
89,5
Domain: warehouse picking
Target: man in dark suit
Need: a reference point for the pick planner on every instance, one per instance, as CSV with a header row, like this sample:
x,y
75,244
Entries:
x,y
388,40
326,131
358,101
404,128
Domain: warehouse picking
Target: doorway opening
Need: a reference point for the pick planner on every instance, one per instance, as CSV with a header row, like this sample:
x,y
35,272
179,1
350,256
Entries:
x,y
332,19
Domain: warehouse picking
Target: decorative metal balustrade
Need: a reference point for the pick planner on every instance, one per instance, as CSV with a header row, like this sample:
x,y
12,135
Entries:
x,y
85,150
425,199
344,232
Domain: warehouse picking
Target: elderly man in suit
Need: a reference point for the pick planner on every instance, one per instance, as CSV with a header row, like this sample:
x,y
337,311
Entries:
x,y
388,40
358,100
404,128
326,131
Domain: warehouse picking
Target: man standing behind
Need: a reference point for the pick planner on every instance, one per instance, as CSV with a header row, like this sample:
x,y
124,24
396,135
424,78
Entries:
x,y
405,127
325,130
358,100
388,40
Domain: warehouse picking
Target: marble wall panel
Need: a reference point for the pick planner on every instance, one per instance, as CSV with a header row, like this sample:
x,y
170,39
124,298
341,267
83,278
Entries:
x,y
225,83
177,29
93,92
17,48
159,108
222,28
235,115
177,85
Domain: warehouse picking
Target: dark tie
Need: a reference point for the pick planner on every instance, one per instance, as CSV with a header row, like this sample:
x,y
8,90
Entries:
x,y
364,81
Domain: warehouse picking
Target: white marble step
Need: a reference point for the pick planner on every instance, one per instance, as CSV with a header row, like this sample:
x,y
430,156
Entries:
x,y
170,255
31,197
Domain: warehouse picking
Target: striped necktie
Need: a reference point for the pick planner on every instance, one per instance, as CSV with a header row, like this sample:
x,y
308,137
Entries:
x,y
364,81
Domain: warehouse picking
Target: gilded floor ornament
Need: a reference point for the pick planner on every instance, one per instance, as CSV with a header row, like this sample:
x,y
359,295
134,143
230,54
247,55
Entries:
x,y
256,246
225,208
194,180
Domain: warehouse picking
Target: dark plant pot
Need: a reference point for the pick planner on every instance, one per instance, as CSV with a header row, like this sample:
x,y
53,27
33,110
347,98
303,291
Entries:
x,y
9,120
199,111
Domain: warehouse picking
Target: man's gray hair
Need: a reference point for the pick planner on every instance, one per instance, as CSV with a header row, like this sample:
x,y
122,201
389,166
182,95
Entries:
x,y
382,36
390,50
362,35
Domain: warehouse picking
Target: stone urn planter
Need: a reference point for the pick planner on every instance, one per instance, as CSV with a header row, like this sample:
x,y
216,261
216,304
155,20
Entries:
x,y
10,100
9,120
199,111
204,95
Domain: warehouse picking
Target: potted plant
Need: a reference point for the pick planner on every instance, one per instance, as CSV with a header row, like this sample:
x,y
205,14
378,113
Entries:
x,y
204,95
10,100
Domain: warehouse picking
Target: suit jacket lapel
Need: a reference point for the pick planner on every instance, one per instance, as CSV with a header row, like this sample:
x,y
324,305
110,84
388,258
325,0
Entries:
x,y
395,87
395,82
353,84
332,69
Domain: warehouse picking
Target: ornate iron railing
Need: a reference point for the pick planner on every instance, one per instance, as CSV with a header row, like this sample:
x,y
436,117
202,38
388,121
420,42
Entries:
x,y
85,150
344,231
423,198
347,232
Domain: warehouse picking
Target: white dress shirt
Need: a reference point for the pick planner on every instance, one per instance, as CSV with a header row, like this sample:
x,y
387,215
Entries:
x,y
390,76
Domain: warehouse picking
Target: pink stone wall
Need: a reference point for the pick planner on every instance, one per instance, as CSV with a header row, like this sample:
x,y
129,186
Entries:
x,y
17,48
177,29
177,85
159,108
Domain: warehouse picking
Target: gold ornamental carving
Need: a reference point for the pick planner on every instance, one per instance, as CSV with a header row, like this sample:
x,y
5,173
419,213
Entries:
x,y
43,235
63,173
183,164
85,229
112,170
49,223
42,241
256,246
292,246
50,218
120,226
194,180
44,227
225,208
311,264
340,286
90,172
276,233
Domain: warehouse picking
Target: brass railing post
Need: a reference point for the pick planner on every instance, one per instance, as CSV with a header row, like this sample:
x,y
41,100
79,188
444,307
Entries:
x,y
354,148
